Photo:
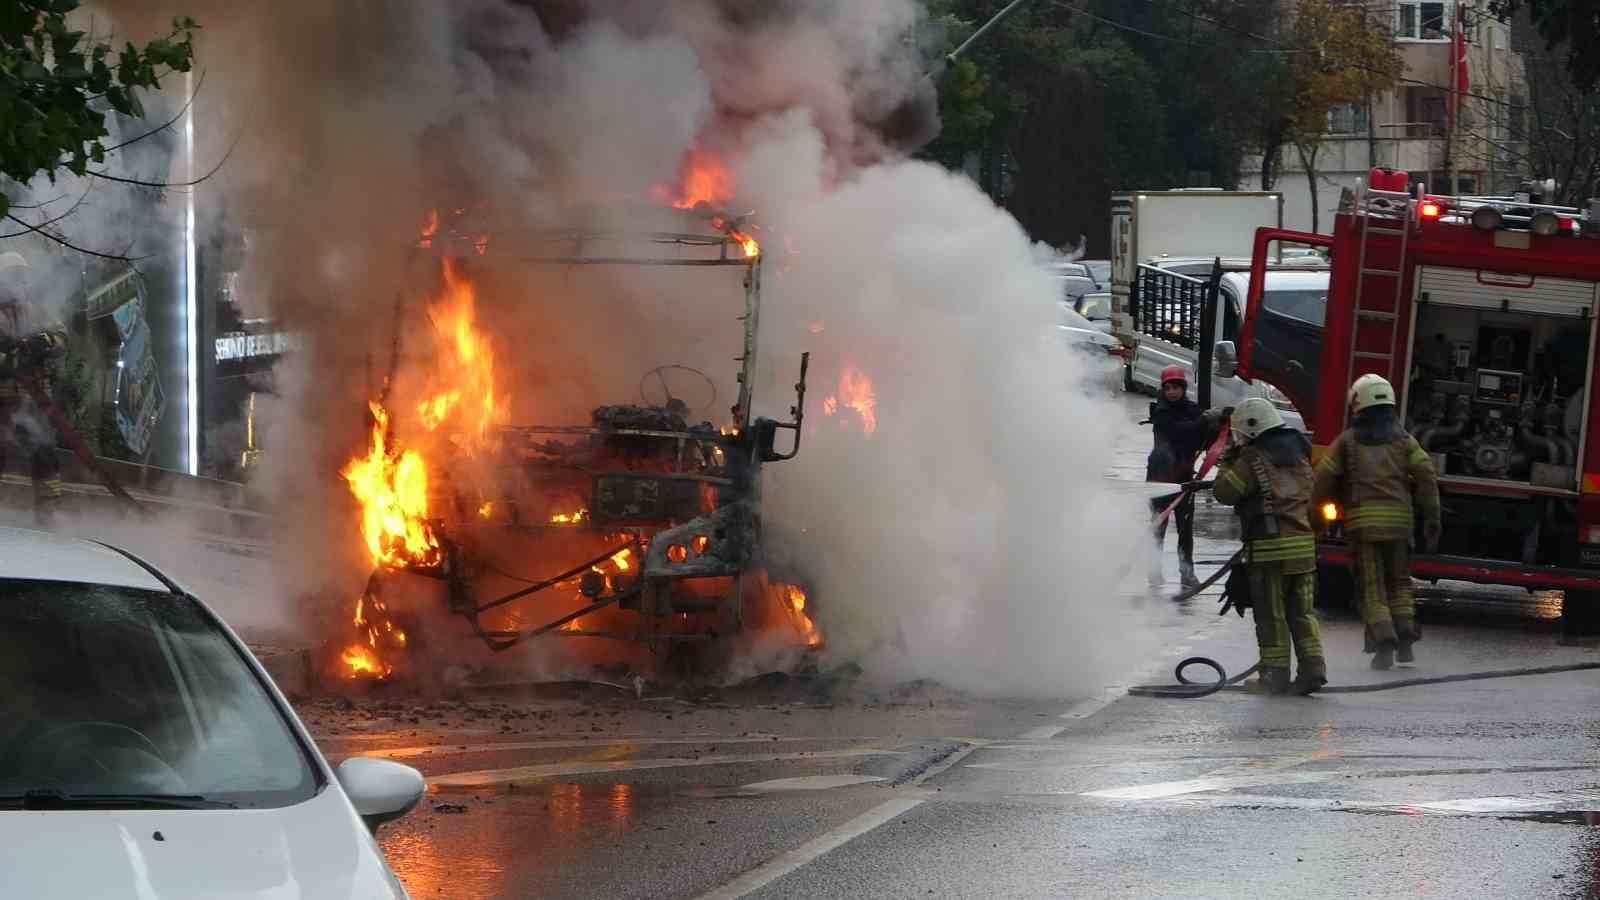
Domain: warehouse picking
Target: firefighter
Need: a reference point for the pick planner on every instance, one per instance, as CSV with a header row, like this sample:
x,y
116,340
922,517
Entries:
x,y
1381,480
1266,477
1182,430
29,343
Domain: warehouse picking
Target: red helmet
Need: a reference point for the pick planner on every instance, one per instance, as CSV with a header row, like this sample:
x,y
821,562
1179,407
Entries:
x,y
1174,373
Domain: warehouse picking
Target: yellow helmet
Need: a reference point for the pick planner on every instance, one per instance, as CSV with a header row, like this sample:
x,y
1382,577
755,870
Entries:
x,y
1253,417
1370,390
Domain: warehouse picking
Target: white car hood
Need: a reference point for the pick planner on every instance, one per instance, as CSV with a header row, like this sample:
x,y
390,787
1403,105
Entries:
x,y
317,849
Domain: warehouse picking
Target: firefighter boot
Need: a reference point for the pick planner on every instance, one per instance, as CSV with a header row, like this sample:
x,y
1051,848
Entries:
x,y
1384,658
1186,574
1406,633
1312,676
1273,681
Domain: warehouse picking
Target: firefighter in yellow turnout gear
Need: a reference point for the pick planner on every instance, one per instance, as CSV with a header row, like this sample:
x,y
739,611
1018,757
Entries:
x,y
1382,481
1266,476
29,343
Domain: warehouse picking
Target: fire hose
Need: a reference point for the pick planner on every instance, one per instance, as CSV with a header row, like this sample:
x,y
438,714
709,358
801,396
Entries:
x,y
64,428
1186,689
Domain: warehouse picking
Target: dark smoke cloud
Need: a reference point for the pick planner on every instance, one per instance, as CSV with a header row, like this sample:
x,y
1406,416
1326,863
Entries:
x,y
939,543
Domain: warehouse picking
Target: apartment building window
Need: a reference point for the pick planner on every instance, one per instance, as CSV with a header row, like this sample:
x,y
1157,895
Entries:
x,y
1422,21
1349,118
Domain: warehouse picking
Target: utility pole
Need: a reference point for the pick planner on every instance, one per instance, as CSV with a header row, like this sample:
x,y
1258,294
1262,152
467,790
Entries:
x,y
1454,101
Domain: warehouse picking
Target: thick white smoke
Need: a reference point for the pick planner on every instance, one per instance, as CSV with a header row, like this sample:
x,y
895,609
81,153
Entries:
x,y
966,539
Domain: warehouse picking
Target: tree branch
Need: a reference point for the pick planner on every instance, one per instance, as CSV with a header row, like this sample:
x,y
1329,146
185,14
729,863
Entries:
x,y
170,122
70,210
166,185
71,246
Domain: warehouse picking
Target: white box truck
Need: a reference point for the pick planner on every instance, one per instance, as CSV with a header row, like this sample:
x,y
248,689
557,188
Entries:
x,y
1185,223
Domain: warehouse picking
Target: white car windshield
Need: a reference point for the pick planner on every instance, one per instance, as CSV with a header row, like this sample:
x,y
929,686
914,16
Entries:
x,y
129,698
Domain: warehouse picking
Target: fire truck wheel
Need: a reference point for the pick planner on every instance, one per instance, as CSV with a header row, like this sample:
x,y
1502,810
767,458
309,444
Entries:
x,y
1580,614
1335,587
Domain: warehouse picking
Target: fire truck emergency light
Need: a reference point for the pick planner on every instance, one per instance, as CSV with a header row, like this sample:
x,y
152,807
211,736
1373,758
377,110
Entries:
x,y
1430,209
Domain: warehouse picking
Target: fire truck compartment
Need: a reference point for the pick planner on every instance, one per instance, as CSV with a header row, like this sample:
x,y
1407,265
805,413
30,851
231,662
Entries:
x,y
1498,382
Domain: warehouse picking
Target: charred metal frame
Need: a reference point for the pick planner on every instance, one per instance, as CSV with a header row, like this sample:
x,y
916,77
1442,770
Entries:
x,y
724,540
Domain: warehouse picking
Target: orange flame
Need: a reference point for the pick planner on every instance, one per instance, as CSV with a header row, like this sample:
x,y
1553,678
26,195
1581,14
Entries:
x,y
391,482
703,178
569,518
855,389
392,487
465,363
620,560
793,599
855,392
429,229
751,248
363,661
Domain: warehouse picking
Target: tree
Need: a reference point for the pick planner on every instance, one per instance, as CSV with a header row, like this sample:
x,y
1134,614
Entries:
x,y
1345,56
58,85
1064,103
1571,24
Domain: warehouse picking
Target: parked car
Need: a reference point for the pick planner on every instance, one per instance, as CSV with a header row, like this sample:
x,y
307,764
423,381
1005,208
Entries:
x,y
1069,268
1099,270
144,752
1075,286
1096,307
1103,352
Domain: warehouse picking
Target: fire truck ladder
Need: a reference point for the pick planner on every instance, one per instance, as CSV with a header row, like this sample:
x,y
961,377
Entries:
x,y
1386,213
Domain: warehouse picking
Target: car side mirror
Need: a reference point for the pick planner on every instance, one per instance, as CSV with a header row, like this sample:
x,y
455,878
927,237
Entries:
x,y
1225,361
379,789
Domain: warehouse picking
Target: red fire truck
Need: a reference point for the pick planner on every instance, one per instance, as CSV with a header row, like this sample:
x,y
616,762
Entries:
x,y
1481,311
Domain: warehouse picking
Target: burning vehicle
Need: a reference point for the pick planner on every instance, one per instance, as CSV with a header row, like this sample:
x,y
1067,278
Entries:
x,y
654,518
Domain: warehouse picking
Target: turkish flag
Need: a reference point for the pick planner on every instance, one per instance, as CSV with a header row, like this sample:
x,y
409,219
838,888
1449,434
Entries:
x,y
1458,46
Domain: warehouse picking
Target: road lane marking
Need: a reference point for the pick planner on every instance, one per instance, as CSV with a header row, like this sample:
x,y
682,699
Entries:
x,y
907,799
768,872
1539,802
811,783
1212,783
1084,709
520,774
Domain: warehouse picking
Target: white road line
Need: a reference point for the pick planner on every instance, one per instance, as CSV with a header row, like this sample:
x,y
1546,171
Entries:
x,y
1167,789
1228,782
763,875
520,774
810,783
1083,709
1540,802
907,800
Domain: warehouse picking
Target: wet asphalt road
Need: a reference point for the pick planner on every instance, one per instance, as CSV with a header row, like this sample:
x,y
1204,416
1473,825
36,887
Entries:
x,y
1481,789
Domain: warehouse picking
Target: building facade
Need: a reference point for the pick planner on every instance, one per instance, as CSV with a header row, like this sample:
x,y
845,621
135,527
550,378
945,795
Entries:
x,y
1409,126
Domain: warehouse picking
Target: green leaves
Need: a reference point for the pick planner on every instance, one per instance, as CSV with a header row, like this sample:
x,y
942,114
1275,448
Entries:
x,y
58,84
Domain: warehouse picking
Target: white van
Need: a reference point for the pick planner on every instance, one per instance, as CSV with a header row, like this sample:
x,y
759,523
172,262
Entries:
x,y
1294,303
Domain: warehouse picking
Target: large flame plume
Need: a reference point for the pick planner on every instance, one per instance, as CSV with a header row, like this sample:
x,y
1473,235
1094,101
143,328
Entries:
x,y
465,376
391,482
